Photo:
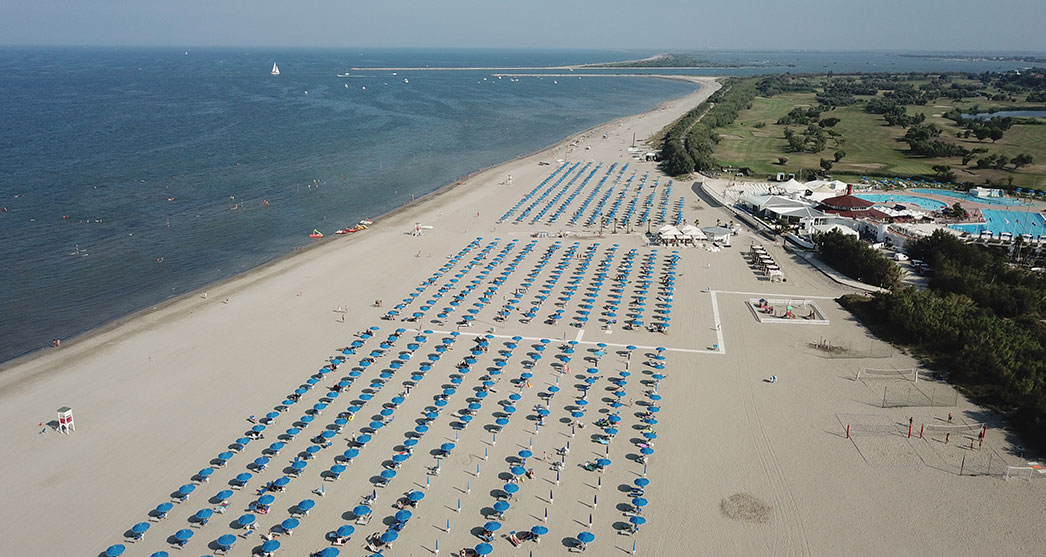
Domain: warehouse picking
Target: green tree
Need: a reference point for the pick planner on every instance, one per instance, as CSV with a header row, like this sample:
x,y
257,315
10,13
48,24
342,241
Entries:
x,y
944,172
839,155
796,143
995,133
1023,159
981,133
826,165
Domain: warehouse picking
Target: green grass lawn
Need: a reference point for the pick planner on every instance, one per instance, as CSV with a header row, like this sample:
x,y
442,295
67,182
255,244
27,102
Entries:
x,y
870,145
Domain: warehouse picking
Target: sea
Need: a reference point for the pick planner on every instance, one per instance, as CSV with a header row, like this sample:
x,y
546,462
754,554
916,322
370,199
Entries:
x,y
130,176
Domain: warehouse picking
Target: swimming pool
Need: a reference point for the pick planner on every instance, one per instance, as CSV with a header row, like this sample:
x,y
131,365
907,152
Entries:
x,y
1001,220
892,198
1007,201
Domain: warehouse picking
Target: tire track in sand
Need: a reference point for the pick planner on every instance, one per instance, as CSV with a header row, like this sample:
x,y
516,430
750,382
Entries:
x,y
786,516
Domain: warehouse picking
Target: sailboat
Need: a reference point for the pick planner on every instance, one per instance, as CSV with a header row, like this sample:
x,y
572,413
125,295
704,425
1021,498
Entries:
x,y
346,74
275,69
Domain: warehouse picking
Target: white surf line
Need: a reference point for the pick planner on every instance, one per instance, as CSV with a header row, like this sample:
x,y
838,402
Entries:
x,y
718,325
668,349
775,294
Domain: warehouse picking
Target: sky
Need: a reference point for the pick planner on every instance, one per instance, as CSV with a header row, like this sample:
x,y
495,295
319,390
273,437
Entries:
x,y
927,25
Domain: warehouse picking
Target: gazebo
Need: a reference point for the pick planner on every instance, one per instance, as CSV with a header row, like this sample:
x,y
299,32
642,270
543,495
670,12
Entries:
x,y
851,206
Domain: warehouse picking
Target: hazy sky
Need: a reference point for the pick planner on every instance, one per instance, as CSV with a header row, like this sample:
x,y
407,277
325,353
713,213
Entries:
x,y
1008,25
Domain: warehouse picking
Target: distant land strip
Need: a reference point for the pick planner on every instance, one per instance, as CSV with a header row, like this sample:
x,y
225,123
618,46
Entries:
x,y
658,62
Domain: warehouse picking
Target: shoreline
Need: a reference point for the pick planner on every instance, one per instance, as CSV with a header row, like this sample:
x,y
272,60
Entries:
x,y
248,276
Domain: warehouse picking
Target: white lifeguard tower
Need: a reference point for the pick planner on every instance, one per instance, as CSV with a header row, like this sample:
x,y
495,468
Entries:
x,y
65,420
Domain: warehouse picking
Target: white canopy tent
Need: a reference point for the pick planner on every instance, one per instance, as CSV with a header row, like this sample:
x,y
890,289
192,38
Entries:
x,y
692,232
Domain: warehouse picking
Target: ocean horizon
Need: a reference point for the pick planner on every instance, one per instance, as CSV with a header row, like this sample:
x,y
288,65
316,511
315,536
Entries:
x,y
133,175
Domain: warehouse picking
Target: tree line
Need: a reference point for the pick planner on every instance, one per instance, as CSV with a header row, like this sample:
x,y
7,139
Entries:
x,y
689,142
856,259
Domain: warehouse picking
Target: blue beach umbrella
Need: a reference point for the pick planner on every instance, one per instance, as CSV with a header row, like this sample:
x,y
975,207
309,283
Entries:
x,y
246,519
141,527
389,536
484,549
115,550
492,526
539,530
388,474
186,489
270,546
204,514
586,537
403,516
345,531
282,481
361,510
290,523
639,502
183,535
220,496
264,500
306,504
510,488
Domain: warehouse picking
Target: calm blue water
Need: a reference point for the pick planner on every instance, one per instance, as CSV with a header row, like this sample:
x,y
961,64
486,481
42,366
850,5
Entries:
x,y
891,198
1014,222
130,176
1006,201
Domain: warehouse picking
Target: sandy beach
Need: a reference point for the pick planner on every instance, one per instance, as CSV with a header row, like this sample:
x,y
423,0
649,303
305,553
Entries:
x,y
740,465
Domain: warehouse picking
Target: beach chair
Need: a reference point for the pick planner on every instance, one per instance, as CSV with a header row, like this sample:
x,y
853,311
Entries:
x,y
363,520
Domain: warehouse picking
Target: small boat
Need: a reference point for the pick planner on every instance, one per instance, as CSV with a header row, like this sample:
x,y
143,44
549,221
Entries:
x,y
275,69
405,81
366,222
316,234
346,74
